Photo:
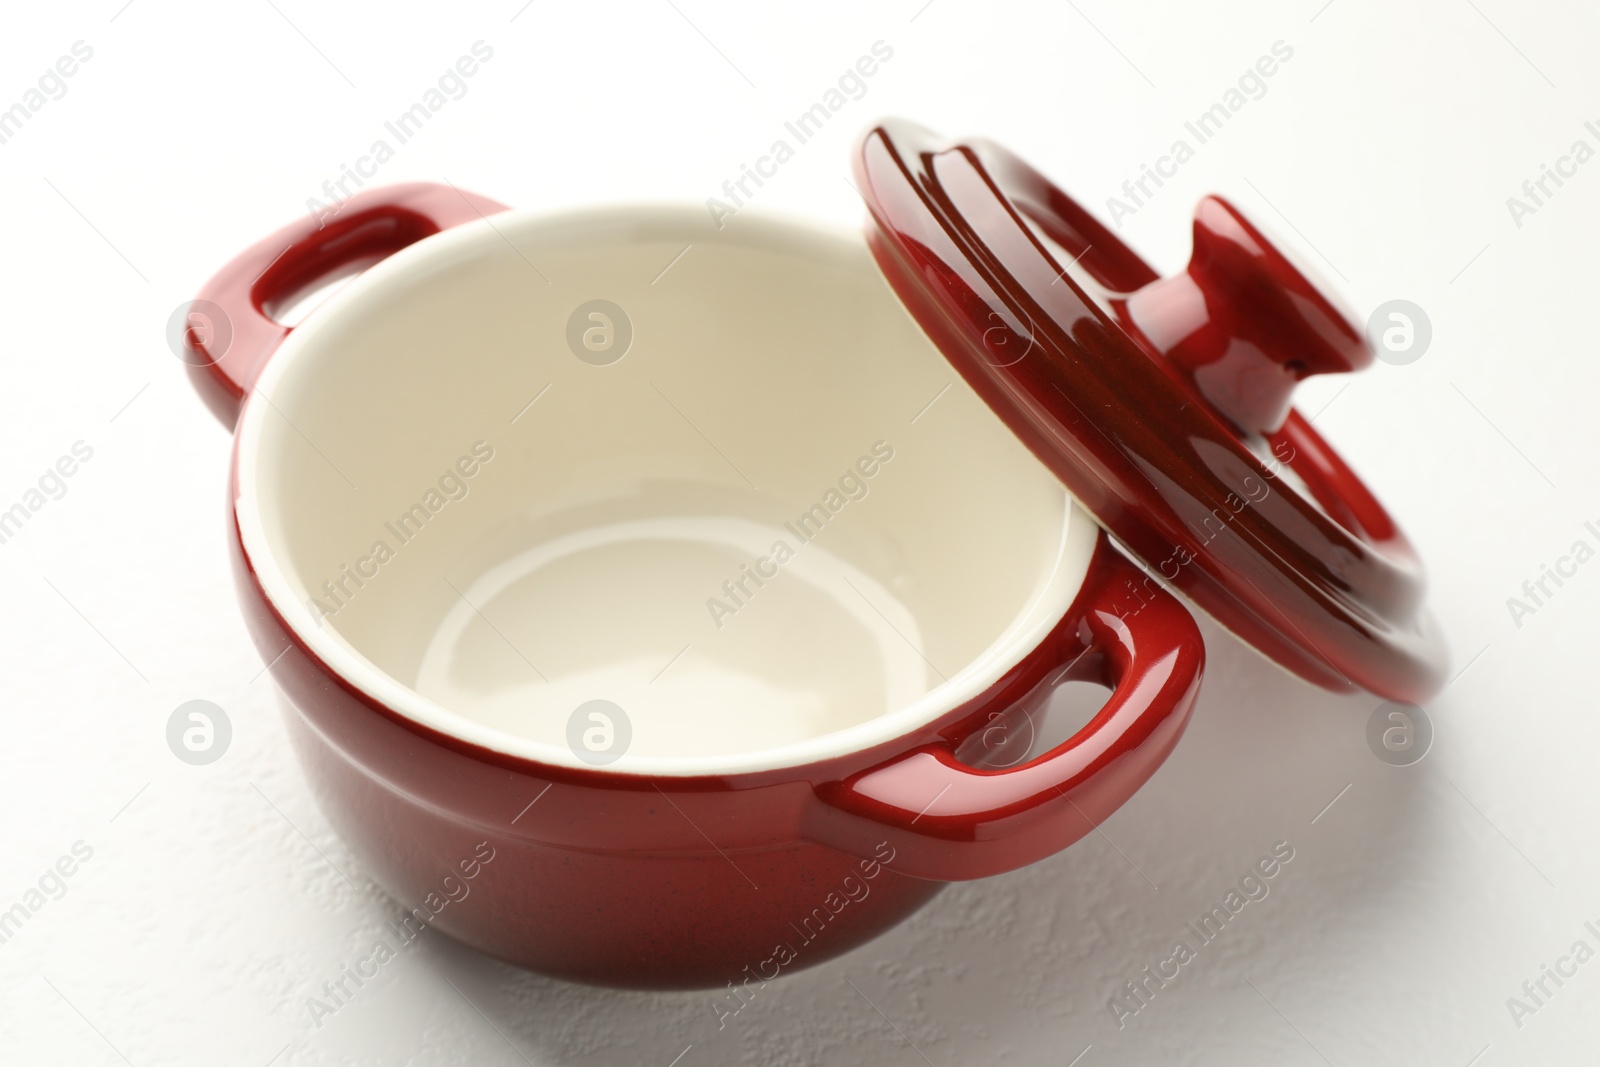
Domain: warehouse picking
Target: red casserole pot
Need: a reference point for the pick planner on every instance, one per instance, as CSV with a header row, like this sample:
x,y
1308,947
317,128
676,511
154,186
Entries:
x,y
663,582
792,784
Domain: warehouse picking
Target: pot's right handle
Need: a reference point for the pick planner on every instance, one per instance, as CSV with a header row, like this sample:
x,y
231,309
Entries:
x,y
225,357
949,821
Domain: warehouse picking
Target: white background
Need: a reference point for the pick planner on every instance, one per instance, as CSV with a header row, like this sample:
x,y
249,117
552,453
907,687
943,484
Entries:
x,y
1384,151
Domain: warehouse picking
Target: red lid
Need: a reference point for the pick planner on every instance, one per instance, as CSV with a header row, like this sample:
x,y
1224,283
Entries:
x,y
1162,403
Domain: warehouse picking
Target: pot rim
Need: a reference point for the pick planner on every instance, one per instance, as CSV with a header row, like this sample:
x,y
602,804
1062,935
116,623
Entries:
x,y
1049,603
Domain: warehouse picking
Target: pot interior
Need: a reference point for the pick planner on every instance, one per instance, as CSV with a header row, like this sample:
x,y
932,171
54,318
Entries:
x,y
749,504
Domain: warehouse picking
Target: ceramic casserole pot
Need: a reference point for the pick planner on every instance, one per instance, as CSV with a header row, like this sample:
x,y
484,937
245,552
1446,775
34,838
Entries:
x,y
654,602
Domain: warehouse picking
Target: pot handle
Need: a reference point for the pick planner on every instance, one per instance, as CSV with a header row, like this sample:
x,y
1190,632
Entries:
x,y
230,331
950,821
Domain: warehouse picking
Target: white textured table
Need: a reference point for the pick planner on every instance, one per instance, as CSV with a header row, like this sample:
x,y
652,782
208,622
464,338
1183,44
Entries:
x,y
206,904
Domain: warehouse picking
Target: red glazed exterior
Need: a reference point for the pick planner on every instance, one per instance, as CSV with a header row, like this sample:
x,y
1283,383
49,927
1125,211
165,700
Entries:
x,y
369,227
1141,392
687,882
684,881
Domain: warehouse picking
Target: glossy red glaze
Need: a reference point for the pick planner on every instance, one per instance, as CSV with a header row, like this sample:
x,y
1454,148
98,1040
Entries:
x,y
1153,400
269,274
687,882
681,881
1242,323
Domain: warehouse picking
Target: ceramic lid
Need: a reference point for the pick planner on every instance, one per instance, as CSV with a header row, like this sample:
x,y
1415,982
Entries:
x,y
1163,404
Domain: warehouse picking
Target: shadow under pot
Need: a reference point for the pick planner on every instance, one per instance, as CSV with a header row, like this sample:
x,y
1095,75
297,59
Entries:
x,y
654,604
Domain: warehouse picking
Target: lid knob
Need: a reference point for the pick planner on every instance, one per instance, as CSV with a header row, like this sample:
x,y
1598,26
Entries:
x,y
1244,323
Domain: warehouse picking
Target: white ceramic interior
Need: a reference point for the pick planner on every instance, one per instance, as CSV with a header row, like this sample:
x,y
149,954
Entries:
x,y
768,360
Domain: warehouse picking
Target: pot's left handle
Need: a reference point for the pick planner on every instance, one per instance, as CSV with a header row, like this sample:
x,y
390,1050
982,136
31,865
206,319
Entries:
x,y
225,357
